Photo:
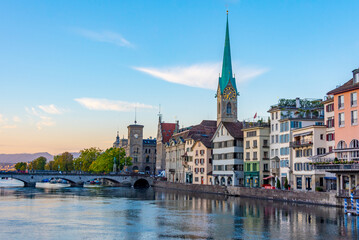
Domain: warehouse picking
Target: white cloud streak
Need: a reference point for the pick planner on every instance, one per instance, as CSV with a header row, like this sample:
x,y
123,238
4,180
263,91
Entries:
x,y
105,36
203,75
102,104
51,109
41,119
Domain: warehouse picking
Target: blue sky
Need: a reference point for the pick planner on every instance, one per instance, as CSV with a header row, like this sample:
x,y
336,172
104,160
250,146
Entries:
x,y
72,72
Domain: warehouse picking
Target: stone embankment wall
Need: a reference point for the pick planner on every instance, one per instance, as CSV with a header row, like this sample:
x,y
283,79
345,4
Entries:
x,y
322,198
192,187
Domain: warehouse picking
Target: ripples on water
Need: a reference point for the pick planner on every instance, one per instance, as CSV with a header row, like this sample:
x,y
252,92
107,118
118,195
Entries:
x,y
126,213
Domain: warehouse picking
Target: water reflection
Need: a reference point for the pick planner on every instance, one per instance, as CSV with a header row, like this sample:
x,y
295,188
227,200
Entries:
x,y
125,213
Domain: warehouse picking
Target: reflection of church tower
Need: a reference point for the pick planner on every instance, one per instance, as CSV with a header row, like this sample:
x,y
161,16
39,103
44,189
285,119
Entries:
x,y
227,90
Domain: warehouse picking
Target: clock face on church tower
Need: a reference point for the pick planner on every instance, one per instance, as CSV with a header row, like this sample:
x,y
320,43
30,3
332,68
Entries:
x,y
229,93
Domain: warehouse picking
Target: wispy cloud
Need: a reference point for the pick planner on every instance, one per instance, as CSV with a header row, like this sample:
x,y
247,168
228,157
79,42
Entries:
x,y
40,115
5,123
111,105
51,109
200,75
104,36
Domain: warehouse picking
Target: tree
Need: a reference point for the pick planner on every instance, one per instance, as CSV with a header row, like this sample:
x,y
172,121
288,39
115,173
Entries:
x,y
50,165
38,164
105,162
278,184
21,166
286,183
63,162
86,158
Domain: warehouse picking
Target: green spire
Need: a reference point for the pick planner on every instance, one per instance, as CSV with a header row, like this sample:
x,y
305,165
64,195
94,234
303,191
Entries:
x,y
227,75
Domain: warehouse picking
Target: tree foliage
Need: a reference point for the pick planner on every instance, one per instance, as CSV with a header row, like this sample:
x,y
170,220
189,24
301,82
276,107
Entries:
x,y
86,158
62,162
278,184
105,162
21,166
38,164
286,183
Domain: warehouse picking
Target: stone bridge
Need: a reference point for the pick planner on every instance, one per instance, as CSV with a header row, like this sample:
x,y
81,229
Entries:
x,y
78,179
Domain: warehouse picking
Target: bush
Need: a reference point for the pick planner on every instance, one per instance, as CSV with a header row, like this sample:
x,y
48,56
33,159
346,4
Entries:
x,y
278,184
286,183
319,189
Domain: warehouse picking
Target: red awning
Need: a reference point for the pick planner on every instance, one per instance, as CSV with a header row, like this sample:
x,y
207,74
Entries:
x,y
266,178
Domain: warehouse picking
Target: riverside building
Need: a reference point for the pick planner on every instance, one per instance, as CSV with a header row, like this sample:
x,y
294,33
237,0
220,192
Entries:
x,y
287,115
256,153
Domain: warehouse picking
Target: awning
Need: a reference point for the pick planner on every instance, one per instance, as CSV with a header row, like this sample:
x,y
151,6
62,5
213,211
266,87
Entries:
x,y
266,178
330,178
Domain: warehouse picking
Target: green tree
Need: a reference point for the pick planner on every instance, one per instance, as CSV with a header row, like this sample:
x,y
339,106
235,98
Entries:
x,y
105,162
86,158
63,162
38,164
286,183
50,165
21,166
278,184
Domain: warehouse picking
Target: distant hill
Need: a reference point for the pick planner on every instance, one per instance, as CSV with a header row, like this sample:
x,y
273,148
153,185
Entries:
x,y
28,157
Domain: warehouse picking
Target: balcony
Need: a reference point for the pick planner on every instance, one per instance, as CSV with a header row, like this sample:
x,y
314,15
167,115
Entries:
x,y
298,144
265,146
255,146
265,158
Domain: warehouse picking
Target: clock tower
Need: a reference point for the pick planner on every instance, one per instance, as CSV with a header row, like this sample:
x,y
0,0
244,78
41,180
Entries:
x,y
227,90
135,146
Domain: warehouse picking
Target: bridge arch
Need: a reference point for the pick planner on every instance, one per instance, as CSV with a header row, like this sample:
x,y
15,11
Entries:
x,y
141,183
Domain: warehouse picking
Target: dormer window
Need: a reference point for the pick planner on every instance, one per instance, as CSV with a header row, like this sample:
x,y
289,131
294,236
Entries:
x,y
356,76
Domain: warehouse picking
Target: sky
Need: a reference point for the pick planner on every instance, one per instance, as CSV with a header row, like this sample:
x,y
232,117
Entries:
x,y
72,73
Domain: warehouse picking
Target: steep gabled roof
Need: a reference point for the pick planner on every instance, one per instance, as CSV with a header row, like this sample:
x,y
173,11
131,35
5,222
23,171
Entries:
x,y
234,128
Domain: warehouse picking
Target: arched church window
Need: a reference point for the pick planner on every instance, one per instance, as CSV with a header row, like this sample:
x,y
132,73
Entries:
x,y
229,108
342,145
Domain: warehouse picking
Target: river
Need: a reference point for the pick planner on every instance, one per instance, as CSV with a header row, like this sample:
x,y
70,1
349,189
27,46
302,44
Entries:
x,y
126,213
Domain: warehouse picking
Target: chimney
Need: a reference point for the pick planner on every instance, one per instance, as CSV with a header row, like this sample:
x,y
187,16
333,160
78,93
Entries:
x,y
297,102
177,126
356,76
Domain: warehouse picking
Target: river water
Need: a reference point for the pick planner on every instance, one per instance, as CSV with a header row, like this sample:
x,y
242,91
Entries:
x,y
126,213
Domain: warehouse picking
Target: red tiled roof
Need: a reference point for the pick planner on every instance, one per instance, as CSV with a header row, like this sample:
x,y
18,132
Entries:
x,y
167,131
348,86
206,127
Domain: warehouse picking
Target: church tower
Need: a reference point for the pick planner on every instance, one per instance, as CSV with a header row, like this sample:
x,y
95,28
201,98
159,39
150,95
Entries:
x,y
227,89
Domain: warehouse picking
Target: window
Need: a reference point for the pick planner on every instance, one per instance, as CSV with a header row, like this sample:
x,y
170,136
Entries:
x,y
196,179
321,136
272,117
229,108
354,143
354,117
248,145
265,167
265,155
255,144
265,143
330,137
276,115
342,145
272,127
202,161
272,138
296,124
276,152
353,99
276,138
330,107
276,126
330,122
320,151
251,134
299,182
196,161
255,156
340,102
298,153
341,120
248,156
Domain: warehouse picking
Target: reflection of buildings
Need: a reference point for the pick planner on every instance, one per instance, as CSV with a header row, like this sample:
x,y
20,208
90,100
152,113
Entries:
x,y
142,151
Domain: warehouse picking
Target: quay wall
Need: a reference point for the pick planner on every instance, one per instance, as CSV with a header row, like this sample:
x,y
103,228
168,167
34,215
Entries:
x,y
321,198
